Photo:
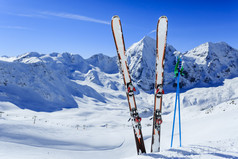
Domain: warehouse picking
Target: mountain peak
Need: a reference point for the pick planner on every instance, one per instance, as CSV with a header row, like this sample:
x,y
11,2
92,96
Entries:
x,y
30,54
208,49
141,60
222,46
105,63
147,38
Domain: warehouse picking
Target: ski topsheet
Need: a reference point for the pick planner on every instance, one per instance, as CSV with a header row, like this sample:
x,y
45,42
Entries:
x,y
135,118
161,37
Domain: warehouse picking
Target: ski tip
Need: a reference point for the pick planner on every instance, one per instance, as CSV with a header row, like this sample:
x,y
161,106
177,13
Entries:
x,y
115,16
163,17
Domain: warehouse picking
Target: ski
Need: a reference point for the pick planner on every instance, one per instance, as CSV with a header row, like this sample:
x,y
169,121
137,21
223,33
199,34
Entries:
x,y
135,118
161,37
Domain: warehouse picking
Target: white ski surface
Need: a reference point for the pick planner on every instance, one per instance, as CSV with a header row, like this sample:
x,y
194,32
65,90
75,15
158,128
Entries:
x,y
121,51
120,46
161,43
160,53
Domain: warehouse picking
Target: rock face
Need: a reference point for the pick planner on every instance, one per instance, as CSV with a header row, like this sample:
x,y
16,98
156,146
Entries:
x,y
49,82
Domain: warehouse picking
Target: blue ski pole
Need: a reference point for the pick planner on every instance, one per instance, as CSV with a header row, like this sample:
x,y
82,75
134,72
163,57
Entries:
x,y
177,92
179,114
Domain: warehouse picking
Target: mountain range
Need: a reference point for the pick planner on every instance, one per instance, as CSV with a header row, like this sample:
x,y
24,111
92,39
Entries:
x,y
51,82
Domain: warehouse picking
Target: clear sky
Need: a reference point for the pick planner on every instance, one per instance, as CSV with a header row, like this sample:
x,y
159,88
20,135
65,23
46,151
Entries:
x,y
83,26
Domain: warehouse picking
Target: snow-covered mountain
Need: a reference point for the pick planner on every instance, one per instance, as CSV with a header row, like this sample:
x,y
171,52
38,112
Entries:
x,y
209,64
141,60
45,82
206,65
51,82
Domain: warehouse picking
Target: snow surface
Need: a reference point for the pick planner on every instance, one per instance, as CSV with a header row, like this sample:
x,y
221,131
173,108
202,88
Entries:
x,y
101,130
37,90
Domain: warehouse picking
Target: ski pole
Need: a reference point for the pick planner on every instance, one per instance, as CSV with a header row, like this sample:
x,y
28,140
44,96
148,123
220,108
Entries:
x,y
179,113
177,91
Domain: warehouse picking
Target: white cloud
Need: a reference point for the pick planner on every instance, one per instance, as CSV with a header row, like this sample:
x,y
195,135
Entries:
x,y
34,15
46,14
151,32
75,17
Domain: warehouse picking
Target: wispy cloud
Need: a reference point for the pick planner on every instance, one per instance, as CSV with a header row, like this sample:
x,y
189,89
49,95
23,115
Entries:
x,y
47,14
75,17
29,15
153,31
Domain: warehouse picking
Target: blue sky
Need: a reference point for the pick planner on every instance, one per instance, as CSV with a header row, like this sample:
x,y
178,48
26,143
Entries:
x,y
83,26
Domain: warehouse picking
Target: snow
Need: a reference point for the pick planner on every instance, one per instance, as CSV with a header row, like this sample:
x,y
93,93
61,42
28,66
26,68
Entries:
x,y
81,111
101,129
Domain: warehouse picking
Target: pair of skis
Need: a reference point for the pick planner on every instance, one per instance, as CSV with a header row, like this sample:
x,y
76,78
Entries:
x,y
161,37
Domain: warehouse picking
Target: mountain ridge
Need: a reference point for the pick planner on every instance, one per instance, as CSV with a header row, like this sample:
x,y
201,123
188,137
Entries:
x,y
58,78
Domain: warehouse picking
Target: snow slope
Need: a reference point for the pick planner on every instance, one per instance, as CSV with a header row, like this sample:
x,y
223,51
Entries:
x,y
101,130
